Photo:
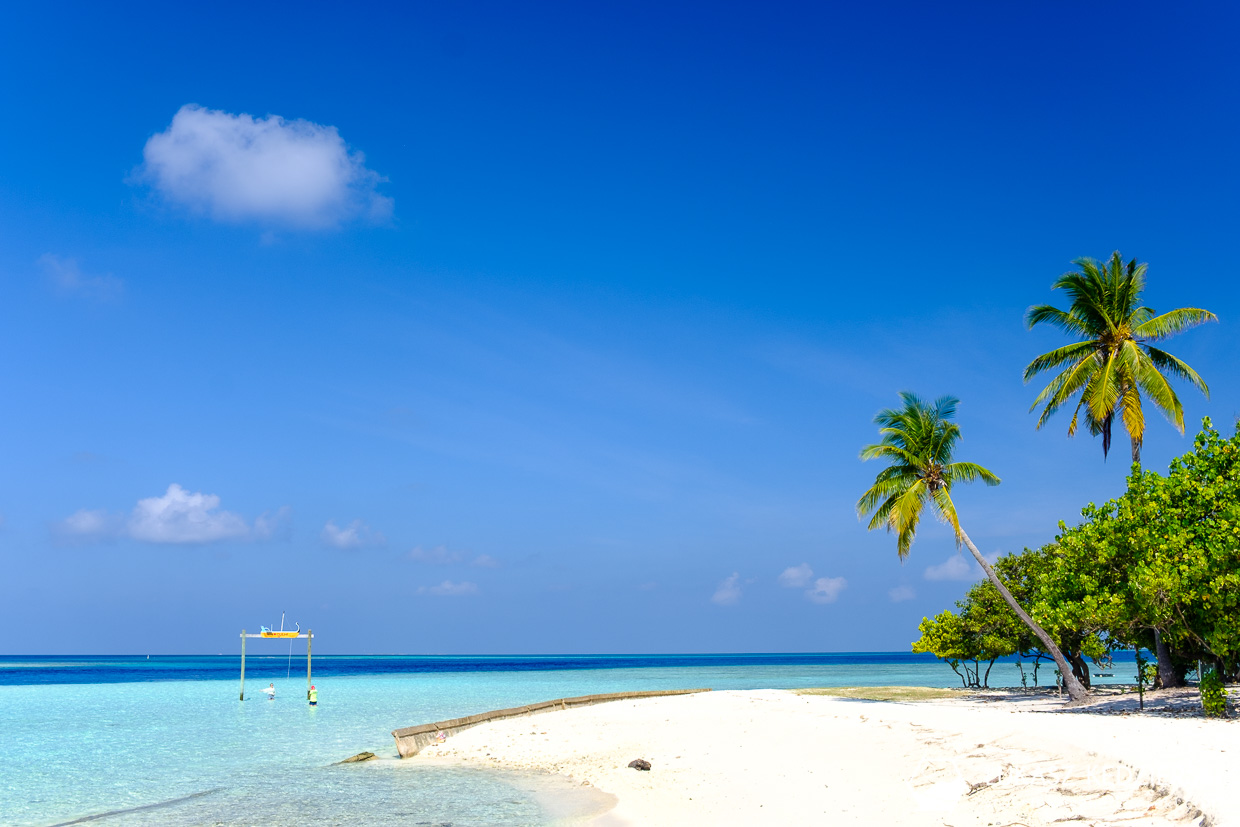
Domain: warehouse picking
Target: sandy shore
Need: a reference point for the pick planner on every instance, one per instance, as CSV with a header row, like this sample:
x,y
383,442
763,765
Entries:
x,y
775,757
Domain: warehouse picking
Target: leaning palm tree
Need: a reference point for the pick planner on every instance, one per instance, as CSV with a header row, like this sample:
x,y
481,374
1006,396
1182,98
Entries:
x,y
1114,365
918,440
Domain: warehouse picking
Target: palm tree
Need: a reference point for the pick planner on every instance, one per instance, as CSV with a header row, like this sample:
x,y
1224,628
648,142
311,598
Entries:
x,y
917,441
1115,364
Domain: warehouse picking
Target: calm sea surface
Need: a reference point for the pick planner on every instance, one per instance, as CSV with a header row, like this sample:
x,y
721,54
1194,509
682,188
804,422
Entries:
x,y
83,736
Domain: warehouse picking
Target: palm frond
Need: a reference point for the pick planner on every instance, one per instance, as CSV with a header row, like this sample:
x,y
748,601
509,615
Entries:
x,y
883,450
1161,394
1169,324
1064,320
1058,357
945,510
969,472
1133,416
1103,389
880,492
1065,385
1166,362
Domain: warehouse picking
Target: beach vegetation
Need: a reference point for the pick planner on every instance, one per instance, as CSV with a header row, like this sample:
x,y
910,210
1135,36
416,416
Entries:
x,y
1114,365
1157,568
918,442
1213,695
969,640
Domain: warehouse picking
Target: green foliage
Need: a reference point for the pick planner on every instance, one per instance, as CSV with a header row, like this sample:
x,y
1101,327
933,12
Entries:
x,y
1163,558
1213,695
981,631
917,441
1114,365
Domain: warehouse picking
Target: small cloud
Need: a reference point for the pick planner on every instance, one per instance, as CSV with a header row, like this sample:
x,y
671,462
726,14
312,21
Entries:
x,y
177,517
237,168
180,516
901,593
794,577
449,589
485,561
728,591
87,524
648,587
955,567
355,535
437,556
277,526
826,589
67,279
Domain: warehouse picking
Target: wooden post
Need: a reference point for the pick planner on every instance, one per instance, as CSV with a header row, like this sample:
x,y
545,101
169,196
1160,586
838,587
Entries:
x,y
243,664
309,640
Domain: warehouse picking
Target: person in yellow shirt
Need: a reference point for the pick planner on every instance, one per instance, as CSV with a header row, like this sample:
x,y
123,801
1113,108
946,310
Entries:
x,y
314,696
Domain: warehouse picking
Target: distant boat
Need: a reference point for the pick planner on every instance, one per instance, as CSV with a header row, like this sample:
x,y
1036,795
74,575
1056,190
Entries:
x,y
265,632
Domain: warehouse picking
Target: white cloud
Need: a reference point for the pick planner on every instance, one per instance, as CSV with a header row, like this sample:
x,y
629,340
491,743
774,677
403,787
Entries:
x,y
183,517
67,279
87,524
955,567
826,589
179,516
794,577
239,168
449,589
901,593
485,561
729,591
355,535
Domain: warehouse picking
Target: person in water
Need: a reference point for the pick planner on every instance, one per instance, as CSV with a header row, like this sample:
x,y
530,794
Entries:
x,y
314,696
271,692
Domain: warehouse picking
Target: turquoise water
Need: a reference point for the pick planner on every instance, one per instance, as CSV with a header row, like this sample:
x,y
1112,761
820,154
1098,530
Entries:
x,y
140,734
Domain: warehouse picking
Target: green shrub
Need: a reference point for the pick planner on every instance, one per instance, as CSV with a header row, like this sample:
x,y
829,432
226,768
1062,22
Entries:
x,y
1213,696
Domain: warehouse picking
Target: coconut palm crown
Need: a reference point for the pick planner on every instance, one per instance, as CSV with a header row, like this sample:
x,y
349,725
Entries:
x,y
1114,365
917,440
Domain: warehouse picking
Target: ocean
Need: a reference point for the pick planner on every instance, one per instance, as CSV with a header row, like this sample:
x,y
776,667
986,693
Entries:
x,y
166,741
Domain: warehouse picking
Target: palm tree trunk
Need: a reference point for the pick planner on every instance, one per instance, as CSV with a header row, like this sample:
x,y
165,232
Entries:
x,y
1076,691
1167,676
1136,450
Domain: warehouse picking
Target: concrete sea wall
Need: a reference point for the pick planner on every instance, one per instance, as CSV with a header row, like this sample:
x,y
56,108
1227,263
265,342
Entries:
x,y
411,740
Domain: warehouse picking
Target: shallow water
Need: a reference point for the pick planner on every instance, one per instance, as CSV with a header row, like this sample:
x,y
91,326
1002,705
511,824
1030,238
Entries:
x,y
145,732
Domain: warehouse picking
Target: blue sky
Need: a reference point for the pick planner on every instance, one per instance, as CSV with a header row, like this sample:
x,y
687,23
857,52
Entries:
x,y
482,328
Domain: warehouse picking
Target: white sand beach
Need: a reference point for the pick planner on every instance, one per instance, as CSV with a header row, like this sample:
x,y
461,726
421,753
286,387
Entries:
x,y
776,757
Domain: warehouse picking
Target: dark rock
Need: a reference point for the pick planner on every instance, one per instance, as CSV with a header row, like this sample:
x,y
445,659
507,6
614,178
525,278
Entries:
x,y
640,764
361,756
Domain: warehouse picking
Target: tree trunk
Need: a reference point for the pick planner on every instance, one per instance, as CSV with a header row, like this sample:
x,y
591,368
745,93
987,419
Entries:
x,y
1080,669
1136,449
1076,691
1167,674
